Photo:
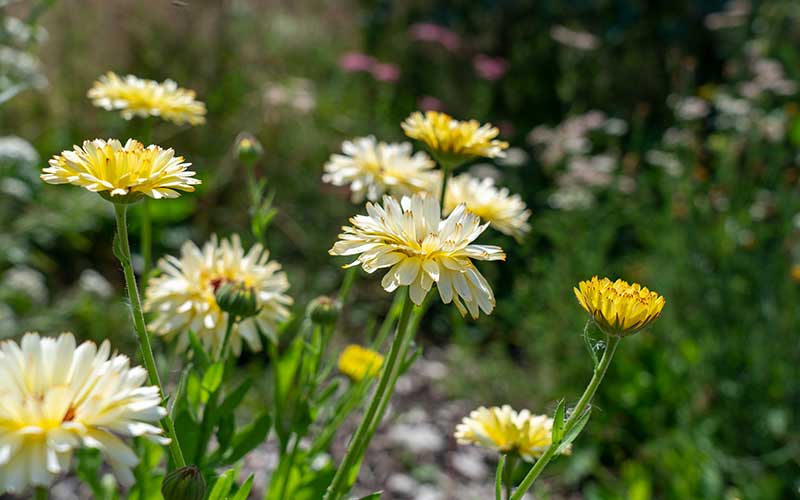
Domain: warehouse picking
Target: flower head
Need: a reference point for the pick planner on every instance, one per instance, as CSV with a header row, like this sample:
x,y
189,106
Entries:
x,y
420,250
372,168
183,297
451,140
134,96
505,430
617,307
56,397
359,362
122,173
507,213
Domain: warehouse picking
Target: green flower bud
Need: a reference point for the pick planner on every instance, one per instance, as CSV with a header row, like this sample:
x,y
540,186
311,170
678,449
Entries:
x,y
237,300
248,149
324,310
186,483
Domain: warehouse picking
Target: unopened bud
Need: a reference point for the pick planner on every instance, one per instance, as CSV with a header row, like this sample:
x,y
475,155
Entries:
x,y
237,300
248,149
186,483
324,310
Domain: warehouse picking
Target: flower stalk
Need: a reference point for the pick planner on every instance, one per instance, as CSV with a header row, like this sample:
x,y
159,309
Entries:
x,y
123,252
41,493
391,371
577,412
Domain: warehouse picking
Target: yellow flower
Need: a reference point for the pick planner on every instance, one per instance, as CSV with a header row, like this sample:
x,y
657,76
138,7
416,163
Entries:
x,y
453,141
358,362
183,297
134,96
56,397
505,212
617,307
373,168
507,431
795,273
420,250
122,173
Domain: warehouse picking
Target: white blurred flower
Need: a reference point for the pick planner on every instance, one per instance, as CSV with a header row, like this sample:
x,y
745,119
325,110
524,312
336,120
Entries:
x,y
15,150
571,198
671,165
580,40
28,281
93,282
690,108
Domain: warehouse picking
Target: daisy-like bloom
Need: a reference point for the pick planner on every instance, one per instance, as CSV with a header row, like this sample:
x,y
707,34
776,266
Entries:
x,y
617,307
507,431
56,397
373,168
359,362
122,173
453,141
420,250
183,297
507,213
133,96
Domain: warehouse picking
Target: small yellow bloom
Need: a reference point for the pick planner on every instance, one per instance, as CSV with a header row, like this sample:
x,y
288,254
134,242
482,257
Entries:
x,y
795,273
619,308
133,96
507,431
359,362
453,141
122,173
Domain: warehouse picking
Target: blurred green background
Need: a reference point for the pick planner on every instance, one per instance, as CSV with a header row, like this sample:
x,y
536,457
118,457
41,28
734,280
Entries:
x,y
654,141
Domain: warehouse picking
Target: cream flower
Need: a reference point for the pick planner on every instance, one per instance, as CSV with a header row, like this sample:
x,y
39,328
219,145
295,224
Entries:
x,y
372,168
133,96
183,299
507,431
507,213
118,171
56,397
420,250
451,140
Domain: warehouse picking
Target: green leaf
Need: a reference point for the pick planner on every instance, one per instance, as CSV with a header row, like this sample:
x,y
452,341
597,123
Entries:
x,y
200,354
244,491
234,399
249,437
498,478
180,402
116,247
558,422
590,342
188,433
222,486
576,429
372,496
212,378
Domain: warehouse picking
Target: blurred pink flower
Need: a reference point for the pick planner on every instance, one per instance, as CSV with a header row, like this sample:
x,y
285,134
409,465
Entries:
x,y
490,68
434,33
385,72
352,62
430,103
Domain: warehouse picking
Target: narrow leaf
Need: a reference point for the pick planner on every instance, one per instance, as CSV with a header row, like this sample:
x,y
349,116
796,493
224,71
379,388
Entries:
x,y
244,491
558,422
575,431
249,437
222,487
212,378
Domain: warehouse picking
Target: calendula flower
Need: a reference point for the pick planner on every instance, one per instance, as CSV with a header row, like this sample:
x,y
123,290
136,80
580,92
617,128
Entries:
x,y
373,168
133,96
507,213
453,141
420,250
183,297
122,173
507,431
359,362
56,397
617,307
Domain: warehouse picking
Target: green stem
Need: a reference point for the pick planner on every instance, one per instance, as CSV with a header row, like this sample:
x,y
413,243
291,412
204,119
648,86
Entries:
x,y
445,177
391,369
347,284
41,493
508,473
146,237
577,412
277,396
224,349
289,466
124,255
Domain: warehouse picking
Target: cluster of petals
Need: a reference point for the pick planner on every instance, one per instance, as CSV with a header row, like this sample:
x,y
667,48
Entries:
x,y
183,297
56,396
506,212
618,307
448,138
420,249
118,170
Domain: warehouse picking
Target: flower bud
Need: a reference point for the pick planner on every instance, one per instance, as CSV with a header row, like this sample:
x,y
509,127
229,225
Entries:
x,y
248,149
186,483
324,310
237,300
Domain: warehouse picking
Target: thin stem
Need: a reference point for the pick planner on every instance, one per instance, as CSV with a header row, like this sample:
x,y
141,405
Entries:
x,y
577,412
224,349
41,493
360,439
445,177
508,474
289,466
347,284
146,237
277,396
124,255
